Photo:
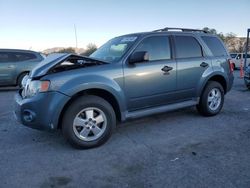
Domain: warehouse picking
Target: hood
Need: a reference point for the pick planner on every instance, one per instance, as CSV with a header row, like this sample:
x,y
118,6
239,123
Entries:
x,y
56,63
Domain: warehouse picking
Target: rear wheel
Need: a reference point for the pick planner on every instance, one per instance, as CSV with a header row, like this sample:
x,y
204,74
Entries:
x,y
212,99
88,122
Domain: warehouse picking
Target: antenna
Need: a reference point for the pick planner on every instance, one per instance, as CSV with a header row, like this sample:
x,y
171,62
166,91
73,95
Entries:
x,y
75,35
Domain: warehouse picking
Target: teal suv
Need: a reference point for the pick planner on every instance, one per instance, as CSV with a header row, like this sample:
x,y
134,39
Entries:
x,y
130,76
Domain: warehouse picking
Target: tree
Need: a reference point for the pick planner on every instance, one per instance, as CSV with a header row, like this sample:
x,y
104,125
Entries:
x,y
90,49
214,31
67,50
233,43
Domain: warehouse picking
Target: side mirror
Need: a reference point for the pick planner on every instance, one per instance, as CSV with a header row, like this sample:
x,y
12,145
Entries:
x,y
138,57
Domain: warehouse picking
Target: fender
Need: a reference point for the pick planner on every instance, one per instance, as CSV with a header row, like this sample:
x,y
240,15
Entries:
x,y
204,81
71,85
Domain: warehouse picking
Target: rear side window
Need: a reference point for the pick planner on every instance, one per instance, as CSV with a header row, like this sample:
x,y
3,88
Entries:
x,y
8,57
25,56
16,56
187,47
215,45
158,47
244,55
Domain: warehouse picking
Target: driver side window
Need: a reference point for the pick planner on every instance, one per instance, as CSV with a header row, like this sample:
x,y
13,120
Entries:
x,y
158,48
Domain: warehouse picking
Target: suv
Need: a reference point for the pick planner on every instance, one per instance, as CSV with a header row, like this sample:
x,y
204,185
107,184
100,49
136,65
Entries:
x,y
15,64
130,76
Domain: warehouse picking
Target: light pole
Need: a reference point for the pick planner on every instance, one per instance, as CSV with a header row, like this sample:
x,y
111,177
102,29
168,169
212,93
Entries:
x,y
75,35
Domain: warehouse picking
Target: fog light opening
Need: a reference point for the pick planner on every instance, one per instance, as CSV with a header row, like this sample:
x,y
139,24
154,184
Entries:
x,y
28,116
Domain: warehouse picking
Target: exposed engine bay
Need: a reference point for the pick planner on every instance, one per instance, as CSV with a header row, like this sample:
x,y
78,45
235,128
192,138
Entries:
x,y
74,62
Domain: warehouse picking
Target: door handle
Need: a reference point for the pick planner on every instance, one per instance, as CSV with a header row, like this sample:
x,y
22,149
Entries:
x,y
167,69
10,66
203,64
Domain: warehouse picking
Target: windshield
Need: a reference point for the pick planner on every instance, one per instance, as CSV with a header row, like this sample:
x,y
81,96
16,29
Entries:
x,y
233,55
114,49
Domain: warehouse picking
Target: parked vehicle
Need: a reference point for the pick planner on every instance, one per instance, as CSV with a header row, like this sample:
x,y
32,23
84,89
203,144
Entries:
x,y
247,64
130,76
15,64
238,58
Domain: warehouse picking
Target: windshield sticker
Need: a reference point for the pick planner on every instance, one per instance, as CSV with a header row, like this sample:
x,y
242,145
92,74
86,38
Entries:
x,y
128,39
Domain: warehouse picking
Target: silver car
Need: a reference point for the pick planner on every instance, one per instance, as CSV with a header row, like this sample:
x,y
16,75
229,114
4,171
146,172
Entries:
x,y
15,64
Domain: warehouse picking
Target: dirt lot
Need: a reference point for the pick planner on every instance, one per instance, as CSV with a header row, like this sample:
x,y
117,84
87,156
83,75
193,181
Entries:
x,y
176,149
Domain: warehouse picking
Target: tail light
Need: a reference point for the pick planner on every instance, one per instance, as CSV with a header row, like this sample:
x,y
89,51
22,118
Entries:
x,y
231,65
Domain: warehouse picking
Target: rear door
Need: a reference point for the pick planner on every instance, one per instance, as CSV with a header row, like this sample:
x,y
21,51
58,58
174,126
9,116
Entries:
x,y
7,68
191,64
26,61
219,55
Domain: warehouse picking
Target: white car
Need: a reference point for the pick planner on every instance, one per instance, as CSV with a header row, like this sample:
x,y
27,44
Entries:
x,y
237,58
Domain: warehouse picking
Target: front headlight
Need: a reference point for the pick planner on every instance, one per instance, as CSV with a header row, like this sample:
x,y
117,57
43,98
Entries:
x,y
36,86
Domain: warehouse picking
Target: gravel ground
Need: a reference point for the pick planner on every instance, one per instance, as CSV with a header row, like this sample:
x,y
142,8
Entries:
x,y
175,149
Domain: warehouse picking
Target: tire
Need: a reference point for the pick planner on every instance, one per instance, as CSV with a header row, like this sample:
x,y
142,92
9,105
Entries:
x,y
88,122
211,100
20,78
248,87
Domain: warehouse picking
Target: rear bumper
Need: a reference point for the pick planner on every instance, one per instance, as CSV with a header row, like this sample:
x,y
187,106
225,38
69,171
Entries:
x,y
41,111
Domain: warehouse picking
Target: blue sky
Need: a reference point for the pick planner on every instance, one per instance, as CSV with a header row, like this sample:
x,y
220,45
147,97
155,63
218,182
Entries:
x,y
44,24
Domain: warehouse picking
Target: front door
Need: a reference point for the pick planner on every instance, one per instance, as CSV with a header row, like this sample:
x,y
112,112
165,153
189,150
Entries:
x,y
153,82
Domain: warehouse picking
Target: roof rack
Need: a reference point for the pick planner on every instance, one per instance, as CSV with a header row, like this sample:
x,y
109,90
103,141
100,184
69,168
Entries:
x,y
180,29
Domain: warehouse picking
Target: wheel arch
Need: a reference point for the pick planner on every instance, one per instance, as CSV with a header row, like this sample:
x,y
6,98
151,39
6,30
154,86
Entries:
x,y
215,77
107,95
20,74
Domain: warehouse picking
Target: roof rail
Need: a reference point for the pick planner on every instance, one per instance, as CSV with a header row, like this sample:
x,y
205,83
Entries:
x,y
180,29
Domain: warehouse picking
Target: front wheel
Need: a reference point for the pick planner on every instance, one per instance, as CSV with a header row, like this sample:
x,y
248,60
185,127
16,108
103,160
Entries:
x,y
20,78
88,122
212,99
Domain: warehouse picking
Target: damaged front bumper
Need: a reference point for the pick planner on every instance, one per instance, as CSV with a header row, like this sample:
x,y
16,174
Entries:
x,y
41,111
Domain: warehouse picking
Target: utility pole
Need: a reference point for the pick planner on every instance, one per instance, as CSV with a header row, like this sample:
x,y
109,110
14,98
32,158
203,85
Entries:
x,y
75,35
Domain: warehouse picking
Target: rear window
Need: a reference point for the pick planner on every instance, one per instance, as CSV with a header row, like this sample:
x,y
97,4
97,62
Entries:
x,y
215,46
187,47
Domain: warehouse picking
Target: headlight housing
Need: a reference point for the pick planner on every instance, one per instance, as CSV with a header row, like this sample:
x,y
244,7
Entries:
x,y
35,86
